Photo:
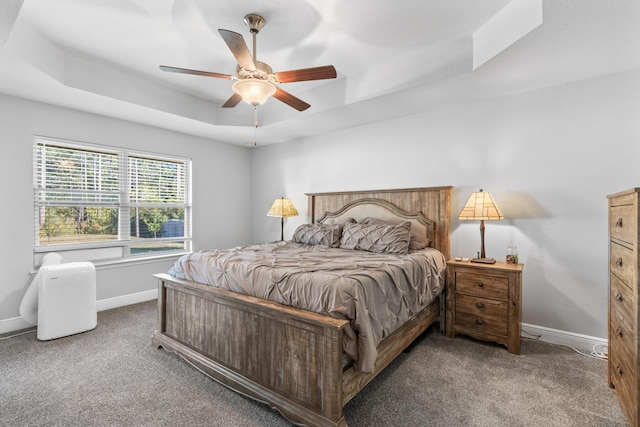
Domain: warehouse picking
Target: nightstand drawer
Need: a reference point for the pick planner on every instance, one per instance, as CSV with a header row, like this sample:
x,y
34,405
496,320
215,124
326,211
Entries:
x,y
621,263
484,324
483,285
483,314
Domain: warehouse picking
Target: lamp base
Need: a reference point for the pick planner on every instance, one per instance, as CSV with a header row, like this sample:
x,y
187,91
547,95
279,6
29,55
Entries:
x,y
483,260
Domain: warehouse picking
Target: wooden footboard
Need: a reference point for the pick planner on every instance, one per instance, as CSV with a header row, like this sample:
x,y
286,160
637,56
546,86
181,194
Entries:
x,y
288,358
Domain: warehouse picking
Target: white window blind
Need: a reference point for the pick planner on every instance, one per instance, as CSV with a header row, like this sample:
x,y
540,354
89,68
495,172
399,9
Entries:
x,y
88,197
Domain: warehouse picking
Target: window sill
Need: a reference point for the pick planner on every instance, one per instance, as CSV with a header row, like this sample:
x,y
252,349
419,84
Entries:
x,y
130,262
127,262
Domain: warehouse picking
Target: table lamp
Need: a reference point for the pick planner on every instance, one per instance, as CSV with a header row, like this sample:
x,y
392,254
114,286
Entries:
x,y
282,208
481,207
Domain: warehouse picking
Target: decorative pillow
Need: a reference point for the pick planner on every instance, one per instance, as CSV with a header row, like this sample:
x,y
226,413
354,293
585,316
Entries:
x,y
418,239
378,238
334,221
318,234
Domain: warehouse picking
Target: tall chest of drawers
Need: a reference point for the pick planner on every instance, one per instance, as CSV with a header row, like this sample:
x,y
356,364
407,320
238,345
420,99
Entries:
x,y
624,347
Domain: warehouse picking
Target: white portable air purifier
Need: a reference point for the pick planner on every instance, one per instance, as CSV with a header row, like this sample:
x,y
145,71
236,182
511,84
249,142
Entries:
x,y
66,299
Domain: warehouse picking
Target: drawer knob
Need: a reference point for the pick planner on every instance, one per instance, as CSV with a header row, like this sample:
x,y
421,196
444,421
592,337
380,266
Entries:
x,y
619,331
619,262
619,223
479,322
619,297
480,305
480,284
619,370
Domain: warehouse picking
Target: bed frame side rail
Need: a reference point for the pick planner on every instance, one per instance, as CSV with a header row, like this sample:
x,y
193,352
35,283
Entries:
x,y
354,381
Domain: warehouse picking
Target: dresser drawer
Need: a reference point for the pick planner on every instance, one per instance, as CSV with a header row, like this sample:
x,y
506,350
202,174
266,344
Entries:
x,y
621,362
623,223
622,343
621,302
483,285
622,263
623,379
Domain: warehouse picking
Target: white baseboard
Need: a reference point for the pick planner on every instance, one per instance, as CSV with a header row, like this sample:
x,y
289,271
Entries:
x,y
13,324
18,323
580,342
121,301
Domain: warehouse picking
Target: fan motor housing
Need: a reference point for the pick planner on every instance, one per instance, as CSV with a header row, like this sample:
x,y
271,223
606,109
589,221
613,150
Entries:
x,y
263,71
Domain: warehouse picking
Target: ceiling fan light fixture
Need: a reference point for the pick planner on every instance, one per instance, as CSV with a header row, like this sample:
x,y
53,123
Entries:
x,y
254,91
256,81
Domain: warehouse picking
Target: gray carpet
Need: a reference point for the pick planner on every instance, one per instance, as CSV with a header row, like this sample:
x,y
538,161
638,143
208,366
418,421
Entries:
x,y
112,376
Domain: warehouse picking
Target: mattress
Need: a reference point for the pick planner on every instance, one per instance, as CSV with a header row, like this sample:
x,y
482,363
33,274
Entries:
x,y
375,292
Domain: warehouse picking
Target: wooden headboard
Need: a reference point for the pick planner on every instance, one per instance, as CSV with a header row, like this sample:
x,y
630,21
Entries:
x,y
433,202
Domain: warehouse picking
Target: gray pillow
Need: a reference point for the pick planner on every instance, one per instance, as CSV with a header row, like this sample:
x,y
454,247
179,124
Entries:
x,y
318,234
378,238
418,240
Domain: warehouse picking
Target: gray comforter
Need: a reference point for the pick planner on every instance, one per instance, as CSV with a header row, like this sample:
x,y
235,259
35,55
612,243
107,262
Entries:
x,y
377,293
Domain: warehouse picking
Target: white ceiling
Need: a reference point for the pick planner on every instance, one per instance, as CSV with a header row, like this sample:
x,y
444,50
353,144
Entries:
x,y
392,58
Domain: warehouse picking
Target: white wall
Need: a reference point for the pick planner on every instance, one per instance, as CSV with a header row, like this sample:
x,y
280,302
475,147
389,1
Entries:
x,y
221,178
549,158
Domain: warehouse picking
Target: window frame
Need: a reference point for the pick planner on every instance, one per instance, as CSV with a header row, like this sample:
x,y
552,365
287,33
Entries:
x,y
119,249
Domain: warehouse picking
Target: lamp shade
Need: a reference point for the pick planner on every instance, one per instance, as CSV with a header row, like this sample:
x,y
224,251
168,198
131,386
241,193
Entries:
x,y
254,91
481,206
282,208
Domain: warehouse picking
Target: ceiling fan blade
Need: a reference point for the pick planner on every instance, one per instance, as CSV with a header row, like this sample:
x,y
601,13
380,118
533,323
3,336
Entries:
x,y
239,48
196,72
290,100
233,101
315,73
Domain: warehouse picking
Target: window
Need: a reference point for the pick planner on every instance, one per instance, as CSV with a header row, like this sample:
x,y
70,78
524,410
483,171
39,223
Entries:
x,y
94,202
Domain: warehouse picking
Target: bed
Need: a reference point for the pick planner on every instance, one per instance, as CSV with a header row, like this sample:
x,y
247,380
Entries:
x,y
290,358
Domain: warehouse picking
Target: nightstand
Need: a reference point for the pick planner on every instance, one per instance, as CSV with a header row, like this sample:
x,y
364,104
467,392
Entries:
x,y
484,301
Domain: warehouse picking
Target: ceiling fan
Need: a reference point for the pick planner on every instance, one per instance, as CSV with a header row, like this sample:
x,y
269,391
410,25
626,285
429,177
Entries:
x,y
255,80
